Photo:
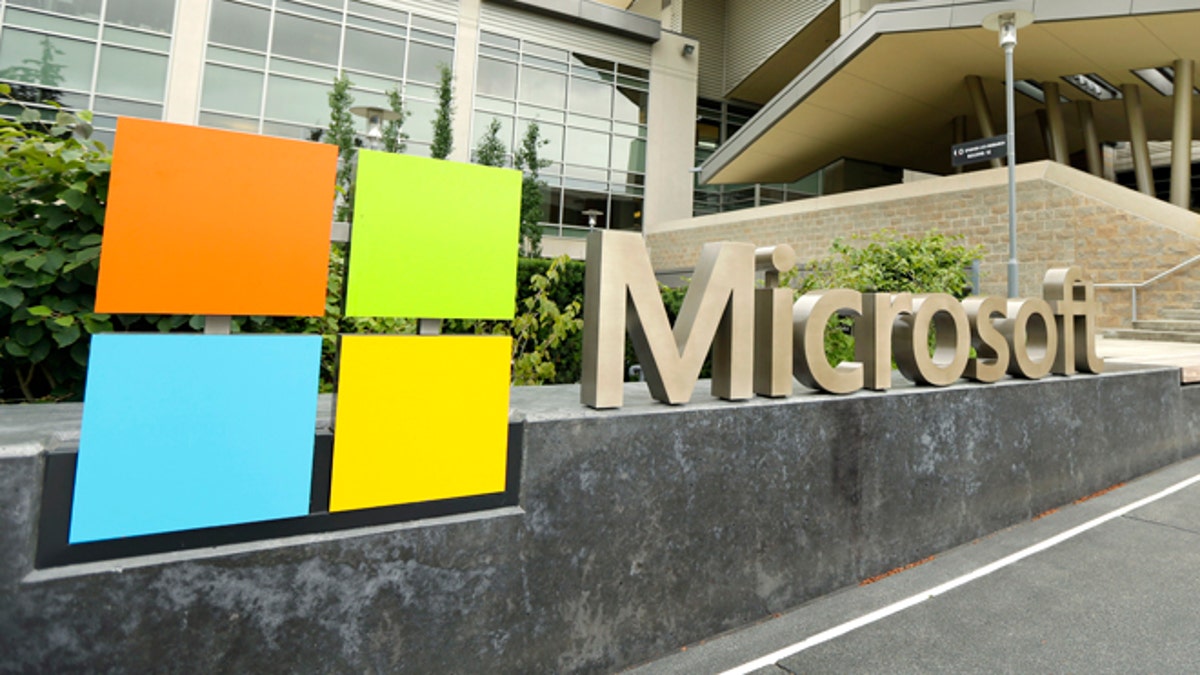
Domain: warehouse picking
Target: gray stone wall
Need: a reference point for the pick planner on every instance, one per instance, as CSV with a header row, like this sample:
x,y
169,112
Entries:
x,y
638,531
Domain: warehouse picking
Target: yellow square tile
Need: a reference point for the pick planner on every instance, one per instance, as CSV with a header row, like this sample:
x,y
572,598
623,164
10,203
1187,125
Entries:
x,y
419,418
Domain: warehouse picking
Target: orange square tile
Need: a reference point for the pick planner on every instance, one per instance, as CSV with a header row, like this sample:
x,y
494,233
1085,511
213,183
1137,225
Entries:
x,y
204,221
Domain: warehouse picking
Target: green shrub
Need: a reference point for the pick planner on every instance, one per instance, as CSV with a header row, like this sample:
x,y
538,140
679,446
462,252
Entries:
x,y
53,183
888,263
567,355
547,331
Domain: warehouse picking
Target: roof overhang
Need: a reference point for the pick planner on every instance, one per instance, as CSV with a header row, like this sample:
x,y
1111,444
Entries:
x,y
791,58
604,15
889,90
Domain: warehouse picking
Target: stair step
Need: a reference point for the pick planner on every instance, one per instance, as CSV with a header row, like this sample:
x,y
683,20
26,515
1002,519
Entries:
x,y
1156,335
1181,314
1168,325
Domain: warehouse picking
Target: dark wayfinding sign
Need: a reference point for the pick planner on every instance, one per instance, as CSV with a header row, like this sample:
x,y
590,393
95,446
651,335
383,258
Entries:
x,y
980,150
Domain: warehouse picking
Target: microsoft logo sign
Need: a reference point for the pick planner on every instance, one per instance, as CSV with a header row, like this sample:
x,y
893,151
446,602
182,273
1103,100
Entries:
x,y
186,431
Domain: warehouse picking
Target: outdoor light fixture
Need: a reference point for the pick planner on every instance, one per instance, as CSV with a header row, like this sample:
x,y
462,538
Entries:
x,y
1161,80
1006,24
1093,85
1033,89
375,118
689,49
592,215
1157,79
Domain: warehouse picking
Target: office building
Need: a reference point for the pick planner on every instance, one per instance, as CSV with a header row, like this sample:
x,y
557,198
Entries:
x,y
776,100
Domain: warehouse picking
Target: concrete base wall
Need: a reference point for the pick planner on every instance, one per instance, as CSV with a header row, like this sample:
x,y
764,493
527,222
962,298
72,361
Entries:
x,y
1065,217
639,530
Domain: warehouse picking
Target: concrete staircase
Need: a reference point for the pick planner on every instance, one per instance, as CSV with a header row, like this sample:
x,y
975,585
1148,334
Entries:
x,y
1178,325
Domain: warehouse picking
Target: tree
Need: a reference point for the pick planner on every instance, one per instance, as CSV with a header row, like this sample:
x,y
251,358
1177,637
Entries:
x,y
44,71
393,135
526,159
341,133
490,151
443,135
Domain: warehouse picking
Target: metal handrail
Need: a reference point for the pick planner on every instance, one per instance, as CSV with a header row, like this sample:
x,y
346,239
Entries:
x,y
1135,286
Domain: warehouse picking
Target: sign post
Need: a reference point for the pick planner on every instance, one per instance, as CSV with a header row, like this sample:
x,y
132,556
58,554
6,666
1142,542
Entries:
x,y
981,150
1006,24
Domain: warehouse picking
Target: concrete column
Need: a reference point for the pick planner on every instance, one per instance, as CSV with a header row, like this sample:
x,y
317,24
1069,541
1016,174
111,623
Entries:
x,y
1043,121
1132,95
1058,130
1181,140
186,72
466,45
670,131
960,135
1091,140
982,112
1108,159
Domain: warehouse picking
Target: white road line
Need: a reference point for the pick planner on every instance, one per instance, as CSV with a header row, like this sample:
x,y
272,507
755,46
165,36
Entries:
x,y
917,599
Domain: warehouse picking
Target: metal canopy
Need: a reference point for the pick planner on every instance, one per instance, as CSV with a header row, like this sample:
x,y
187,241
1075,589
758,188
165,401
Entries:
x,y
889,90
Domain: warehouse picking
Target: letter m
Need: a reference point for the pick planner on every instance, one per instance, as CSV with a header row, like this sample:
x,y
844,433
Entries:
x,y
622,294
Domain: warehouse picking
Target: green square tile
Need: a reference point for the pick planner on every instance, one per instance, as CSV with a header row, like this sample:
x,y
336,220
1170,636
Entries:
x,y
433,239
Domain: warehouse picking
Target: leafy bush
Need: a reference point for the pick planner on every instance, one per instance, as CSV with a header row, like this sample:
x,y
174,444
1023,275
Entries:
x,y
931,263
547,328
53,183
566,290
540,327
888,263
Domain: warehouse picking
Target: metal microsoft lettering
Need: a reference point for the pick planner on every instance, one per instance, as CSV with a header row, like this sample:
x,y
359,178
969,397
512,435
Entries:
x,y
761,341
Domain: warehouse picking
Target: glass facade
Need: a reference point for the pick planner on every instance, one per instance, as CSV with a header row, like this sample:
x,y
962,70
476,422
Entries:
x,y
716,121
109,56
269,64
592,111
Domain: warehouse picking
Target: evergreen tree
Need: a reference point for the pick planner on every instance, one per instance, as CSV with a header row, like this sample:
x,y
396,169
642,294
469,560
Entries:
x,y
393,134
490,151
341,134
527,160
443,135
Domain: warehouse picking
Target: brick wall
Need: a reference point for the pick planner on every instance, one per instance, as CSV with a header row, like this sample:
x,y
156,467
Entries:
x,y
1065,217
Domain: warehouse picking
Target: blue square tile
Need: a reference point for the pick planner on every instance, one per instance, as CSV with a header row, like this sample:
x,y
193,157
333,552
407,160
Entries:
x,y
190,431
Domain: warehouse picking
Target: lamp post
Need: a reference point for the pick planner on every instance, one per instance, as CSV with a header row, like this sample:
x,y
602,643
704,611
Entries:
x,y
375,119
1006,24
592,216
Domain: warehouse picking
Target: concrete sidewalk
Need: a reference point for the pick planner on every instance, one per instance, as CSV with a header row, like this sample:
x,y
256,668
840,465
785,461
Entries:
x,y
1184,355
1119,593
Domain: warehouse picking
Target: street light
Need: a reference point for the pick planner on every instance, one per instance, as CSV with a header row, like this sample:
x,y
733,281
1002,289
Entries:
x,y
1006,23
375,119
592,215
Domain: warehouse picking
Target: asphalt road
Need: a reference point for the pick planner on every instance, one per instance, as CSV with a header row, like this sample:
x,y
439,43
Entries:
x,y
1108,585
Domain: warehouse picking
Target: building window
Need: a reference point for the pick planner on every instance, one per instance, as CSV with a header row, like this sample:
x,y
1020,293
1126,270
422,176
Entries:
x,y
592,113
110,57
716,121
269,65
